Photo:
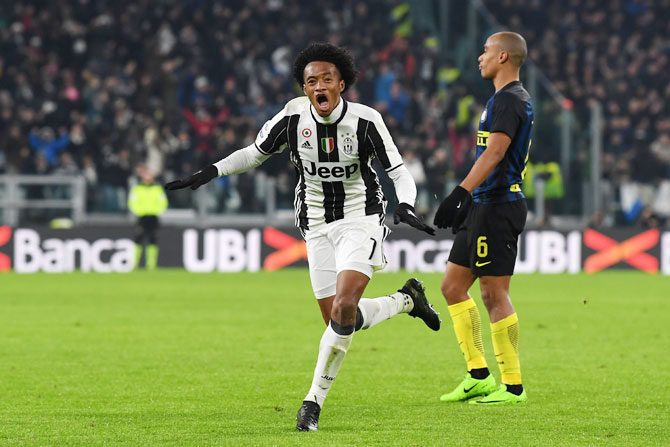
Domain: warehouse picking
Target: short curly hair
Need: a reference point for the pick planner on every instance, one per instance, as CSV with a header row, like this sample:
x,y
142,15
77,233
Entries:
x,y
326,52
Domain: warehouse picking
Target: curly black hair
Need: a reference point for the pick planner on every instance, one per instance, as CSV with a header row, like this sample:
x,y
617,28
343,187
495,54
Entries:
x,y
326,52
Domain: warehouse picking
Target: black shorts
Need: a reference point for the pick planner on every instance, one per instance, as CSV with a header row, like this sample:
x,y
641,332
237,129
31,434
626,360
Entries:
x,y
487,242
147,230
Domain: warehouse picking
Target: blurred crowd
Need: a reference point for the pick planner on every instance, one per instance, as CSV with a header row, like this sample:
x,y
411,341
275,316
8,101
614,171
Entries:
x,y
98,88
618,53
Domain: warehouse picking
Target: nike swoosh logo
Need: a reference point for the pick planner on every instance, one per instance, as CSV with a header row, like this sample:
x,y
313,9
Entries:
x,y
467,390
458,206
482,264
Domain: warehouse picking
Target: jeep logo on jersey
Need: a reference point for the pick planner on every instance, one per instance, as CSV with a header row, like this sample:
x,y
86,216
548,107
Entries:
x,y
327,144
331,170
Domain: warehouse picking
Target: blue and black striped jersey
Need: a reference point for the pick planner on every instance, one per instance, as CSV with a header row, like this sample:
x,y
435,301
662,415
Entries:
x,y
509,110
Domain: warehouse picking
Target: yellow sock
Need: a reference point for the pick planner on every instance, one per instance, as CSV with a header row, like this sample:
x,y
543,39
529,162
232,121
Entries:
x,y
151,256
468,329
505,335
138,255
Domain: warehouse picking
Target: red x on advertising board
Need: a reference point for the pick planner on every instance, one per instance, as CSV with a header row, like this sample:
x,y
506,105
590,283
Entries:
x,y
5,235
630,251
289,250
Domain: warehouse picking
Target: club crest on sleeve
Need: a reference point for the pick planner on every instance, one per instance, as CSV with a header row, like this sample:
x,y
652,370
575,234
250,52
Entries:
x,y
264,130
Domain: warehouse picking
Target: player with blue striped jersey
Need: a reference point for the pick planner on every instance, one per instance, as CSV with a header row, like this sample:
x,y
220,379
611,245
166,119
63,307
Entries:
x,y
509,111
487,225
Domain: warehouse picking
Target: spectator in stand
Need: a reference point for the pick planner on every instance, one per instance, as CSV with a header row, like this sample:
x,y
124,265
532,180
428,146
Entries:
x,y
113,179
159,145
660,148
90,174
204,124
383,83
397,104
48,145
437,169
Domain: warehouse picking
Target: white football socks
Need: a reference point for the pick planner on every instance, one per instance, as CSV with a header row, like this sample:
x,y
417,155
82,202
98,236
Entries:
x,y
332,350
376,310
333,346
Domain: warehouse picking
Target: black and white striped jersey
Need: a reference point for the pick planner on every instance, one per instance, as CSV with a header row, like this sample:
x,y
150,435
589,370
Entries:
x,y
333,159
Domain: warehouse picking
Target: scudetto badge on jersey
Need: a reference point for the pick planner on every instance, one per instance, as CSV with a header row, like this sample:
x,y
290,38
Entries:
x,y
327,144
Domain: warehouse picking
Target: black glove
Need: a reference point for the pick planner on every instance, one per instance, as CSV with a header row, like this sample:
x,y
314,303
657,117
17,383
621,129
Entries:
x,y
405,213
454,209
196,180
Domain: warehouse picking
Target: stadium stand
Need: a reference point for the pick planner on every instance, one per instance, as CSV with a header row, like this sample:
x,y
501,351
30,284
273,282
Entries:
x,y
96,88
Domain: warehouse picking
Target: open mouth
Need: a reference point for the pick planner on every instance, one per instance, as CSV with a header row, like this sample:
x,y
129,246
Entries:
x,y
322,101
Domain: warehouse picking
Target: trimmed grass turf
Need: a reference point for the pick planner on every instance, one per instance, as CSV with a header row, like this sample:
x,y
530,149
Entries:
x,y
171,358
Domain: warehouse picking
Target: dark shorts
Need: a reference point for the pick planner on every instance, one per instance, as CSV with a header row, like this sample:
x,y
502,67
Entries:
x,y
147,230
487,241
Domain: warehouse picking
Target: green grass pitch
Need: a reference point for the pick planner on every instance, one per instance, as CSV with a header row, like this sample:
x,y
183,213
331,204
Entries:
x,y
171,358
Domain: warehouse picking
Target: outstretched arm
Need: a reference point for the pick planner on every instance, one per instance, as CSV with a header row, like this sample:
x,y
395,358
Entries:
x,y
236,163
191,118
241,161
270,140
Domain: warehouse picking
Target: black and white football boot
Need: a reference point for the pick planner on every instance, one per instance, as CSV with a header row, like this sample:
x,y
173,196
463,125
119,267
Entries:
x,y
422,308
308,416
